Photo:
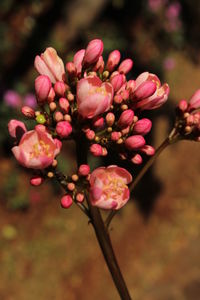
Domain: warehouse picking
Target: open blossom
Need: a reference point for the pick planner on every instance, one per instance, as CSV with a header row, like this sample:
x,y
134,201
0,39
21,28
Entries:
x,y
108,187
156,98
93,96
36,149
50,64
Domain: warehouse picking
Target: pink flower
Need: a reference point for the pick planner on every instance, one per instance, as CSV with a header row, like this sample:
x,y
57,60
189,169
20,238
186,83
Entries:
x,y
93,52
158,96
109,188
16,128
50,64
12,99
36,149
93,96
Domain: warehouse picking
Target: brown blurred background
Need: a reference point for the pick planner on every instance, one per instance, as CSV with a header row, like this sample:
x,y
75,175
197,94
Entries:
x,y
50,253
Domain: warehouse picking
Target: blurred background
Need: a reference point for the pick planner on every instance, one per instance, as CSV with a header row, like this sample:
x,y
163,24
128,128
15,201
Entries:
x,y
50,253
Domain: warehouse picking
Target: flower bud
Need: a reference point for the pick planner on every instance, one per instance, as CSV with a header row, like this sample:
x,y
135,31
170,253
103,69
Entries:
x,y
98,122
137,159
60,88
131,86
125,94
64,105
194,101
117,82
110,119
71,69
71,186
80,197
125,66
113,60
143,126
40,127
93,52
51,95
58,143
16,128
126,118
99,65
148,150
84,170
42,88
78,59
36,180
115,135
58,116
96,150
90,135
145,90
183,105
41,119
63,129
118,99
66,201
28,112
134,142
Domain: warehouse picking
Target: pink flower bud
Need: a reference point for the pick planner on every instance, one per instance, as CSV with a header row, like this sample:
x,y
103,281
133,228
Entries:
x,y
42,88
148,150
134,142
118,99
36,180
93,52
80,197
146,89
63,129
194,101
110,119
142,126
78,59
71,69
183,105
28,112
125,130
117,82
90,135
58,144
51,96
58,116
125,94
64,105
16,128
66,201
126,118
131,86
113,60
40,127
99,65
137,159
96,150
115,135
60,88
98,122
104,151
71,186
84,170
125,66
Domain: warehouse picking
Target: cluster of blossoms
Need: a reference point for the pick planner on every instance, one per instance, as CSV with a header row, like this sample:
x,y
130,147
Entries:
x,y
94,99
187,124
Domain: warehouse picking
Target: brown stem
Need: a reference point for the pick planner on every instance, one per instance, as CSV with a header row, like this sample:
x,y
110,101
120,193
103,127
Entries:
x,y
102,233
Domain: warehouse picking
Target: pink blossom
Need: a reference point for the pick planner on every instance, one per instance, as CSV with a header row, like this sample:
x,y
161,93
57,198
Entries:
x,y
93,52
93,96
113,60
63,129
78,59
16,127
50,64
36,149
109,188
158,98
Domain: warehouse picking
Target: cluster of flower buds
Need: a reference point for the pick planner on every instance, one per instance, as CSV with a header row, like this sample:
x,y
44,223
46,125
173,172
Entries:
x,y
92,98
188,118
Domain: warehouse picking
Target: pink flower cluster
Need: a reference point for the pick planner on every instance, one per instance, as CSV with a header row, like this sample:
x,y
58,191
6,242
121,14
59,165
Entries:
x,y
188,118
95,99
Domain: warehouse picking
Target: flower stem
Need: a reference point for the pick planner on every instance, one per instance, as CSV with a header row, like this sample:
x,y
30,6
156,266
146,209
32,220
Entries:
x,y
102,233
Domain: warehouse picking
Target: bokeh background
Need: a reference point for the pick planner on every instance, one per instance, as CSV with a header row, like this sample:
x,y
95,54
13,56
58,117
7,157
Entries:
x,y
50,253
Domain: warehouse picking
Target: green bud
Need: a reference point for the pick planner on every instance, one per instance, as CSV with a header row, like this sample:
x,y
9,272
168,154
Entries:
x,y
41,119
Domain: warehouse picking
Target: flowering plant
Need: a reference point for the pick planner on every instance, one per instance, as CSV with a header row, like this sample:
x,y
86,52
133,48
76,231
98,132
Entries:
x,y
95,105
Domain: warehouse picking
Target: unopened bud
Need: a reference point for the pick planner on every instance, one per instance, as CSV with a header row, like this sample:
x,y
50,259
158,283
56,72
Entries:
x,y
143,126
84,170
134,142
64,105
66,201
36,180
93,52
96,150
28,112
125,66
113,60
42,88
58,116
63,129
126,118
